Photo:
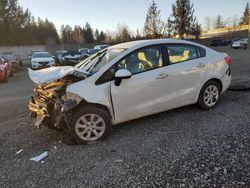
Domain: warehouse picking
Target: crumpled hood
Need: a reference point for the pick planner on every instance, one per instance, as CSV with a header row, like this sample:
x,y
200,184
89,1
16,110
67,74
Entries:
x,y
51,74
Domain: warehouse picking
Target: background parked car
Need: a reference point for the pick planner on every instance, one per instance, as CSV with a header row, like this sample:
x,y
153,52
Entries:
x,y
70,58
58,55
220,42
93,51
17,56
101,47
240,43
42,60
13,60
3,70
8,66
84,52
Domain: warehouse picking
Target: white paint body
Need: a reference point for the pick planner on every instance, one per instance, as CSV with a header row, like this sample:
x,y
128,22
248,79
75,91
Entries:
x,y
153,91
239,43
38,62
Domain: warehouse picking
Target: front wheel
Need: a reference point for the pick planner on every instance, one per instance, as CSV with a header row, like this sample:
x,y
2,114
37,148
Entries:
x,y
90,124
209,95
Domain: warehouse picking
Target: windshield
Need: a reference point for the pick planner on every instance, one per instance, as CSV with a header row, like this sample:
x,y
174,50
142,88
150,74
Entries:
x,y
94,63
10,57
41,55
72,53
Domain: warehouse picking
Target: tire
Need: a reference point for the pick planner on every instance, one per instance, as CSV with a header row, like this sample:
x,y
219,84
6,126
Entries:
x,y
84,130
209,95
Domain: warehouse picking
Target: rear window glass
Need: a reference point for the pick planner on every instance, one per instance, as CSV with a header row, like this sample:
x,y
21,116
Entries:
x,y
180,53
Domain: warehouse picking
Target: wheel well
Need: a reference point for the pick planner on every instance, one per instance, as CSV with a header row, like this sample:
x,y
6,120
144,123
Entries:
x,y
84,103
218,82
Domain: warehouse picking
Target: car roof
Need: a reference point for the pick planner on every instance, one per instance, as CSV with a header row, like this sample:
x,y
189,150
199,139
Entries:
x,y
139,43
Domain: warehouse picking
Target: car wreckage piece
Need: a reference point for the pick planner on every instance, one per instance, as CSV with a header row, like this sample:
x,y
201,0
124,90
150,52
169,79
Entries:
x,y
47,105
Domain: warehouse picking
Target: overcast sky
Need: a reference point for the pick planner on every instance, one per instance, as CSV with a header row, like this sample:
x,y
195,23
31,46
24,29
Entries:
x,y
106,14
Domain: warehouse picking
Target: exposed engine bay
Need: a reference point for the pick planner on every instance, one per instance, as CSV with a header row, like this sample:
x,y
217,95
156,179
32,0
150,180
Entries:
x,y
49,105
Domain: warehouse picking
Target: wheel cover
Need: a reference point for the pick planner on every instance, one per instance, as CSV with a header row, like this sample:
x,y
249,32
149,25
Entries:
x,y
211,95
90,127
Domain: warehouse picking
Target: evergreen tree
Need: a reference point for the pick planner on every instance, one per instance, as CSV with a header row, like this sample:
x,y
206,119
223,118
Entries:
x,y
18,26
97,36
123,33
102,37
88,33
183,17
196,29
153,25
219,22
246,16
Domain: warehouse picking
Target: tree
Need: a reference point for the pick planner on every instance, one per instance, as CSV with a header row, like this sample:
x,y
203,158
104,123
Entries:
x,y
88,33
246,16
183,17
123,33
195,29
97,36
169,28
18,26
208,23
102,37
219,22
153,25
138,35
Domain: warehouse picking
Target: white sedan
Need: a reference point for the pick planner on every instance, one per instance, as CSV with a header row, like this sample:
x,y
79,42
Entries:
x,y
41,60
128,81
241,43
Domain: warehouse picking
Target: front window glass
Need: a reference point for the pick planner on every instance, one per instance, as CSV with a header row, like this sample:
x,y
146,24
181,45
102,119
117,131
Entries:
x,y
41,55
94,63
179,53
142,60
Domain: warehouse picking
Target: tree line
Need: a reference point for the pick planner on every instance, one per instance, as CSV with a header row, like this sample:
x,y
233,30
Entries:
x,y
19,27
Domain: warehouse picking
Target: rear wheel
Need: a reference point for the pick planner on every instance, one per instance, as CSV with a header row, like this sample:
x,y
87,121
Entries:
x,y
209,95
89,124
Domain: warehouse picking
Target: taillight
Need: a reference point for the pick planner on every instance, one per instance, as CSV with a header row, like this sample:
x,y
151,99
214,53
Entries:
x,y
228,60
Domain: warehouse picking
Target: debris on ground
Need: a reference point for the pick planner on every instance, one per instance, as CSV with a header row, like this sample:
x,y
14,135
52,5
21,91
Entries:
x,y
19,152
40,157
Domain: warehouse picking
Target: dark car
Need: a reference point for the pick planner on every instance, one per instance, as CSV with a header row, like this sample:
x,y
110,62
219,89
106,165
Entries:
x,y
70,58
220,42
15,59
58,55
8,64
84,52
93,51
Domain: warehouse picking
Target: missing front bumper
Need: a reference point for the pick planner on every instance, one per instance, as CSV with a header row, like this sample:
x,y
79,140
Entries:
x,y
50,115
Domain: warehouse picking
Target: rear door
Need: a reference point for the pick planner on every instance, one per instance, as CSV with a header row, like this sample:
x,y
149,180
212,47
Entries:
x,y
186,67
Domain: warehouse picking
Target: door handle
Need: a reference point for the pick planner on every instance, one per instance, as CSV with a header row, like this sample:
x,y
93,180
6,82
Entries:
x,y
201,65
161,76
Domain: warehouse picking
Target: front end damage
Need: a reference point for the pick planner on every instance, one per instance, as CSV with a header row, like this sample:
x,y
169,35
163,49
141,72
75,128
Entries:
x,y
51,105
48,107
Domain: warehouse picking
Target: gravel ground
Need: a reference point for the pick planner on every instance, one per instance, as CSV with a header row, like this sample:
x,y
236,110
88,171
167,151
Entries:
x,y
185,147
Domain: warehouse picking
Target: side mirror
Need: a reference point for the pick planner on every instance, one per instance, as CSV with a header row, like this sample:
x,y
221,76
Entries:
x,y
120,75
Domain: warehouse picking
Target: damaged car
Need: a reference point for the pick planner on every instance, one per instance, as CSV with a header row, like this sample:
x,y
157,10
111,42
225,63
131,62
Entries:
x,y
125,82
